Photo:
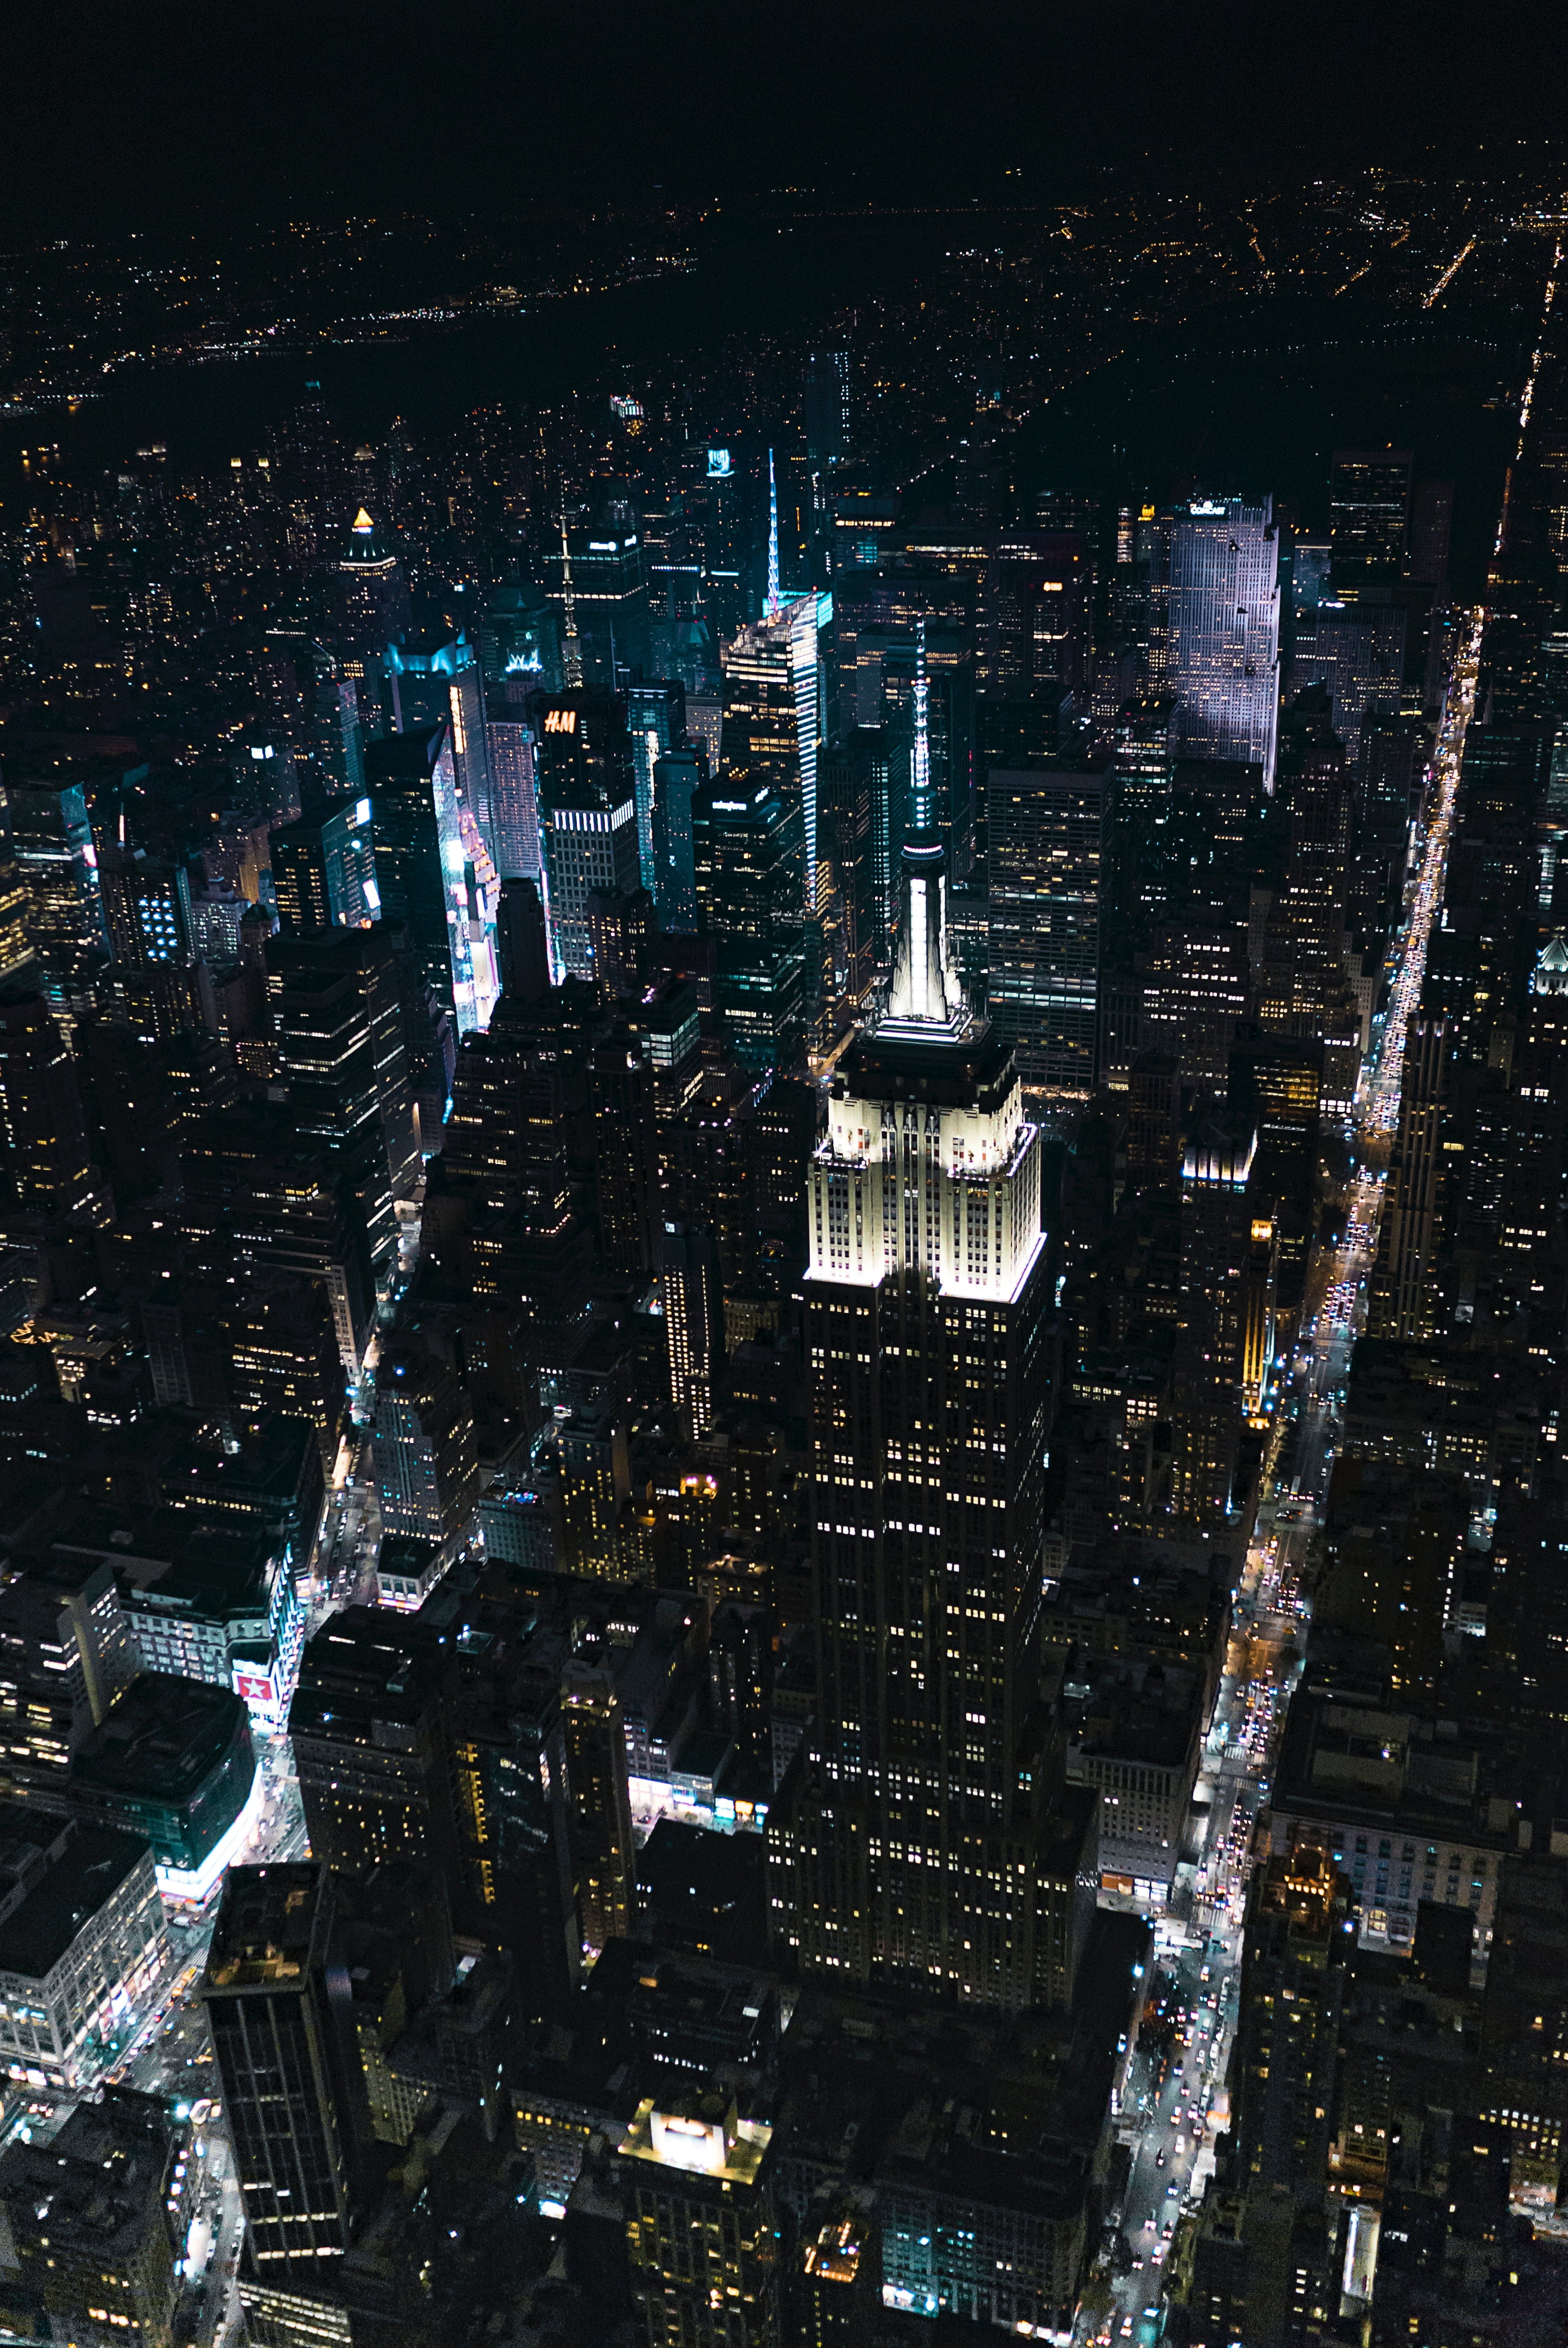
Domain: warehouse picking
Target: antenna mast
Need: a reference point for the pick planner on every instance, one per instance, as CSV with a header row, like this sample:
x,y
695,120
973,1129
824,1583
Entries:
x,y
572,646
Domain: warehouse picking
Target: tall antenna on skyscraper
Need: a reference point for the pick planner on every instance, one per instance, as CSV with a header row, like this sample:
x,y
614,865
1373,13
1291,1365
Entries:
x,y
572,648
920,766
772,541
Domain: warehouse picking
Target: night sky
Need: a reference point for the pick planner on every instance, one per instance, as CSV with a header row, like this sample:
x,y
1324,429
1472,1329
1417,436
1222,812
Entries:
x,y
131,118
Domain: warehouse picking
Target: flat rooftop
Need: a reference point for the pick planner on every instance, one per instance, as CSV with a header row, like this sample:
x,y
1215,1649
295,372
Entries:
x,y
64,1883
268,1926
161,1738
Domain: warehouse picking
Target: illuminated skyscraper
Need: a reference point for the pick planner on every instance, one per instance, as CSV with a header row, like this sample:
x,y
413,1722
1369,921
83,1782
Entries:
x,y
656,719
277,1999
609,614
587,814
372,605
514,795
924,1834
1370,518
338,1023
147,905
1217,1220
1359,658
437,676
677,780
694,1321
52,842
426,876
323,870
746,851
1049,849
772,714
826,409
426,1470
702,2229
1215,626
599,1807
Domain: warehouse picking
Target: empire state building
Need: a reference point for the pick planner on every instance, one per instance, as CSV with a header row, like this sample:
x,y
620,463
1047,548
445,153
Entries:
x,y
925,1834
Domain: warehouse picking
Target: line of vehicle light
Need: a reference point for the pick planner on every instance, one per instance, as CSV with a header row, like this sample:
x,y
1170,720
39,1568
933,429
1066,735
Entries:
x,y
1450,273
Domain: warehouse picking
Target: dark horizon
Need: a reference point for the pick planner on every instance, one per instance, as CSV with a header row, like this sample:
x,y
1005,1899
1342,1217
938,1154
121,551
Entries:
x,y
149,122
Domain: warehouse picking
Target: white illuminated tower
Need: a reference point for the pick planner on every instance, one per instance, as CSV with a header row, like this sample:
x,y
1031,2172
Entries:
x,y
920,811
925,1834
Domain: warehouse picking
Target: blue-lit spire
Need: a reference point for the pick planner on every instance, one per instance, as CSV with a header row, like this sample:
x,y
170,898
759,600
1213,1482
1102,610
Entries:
x,y
772,541
920,763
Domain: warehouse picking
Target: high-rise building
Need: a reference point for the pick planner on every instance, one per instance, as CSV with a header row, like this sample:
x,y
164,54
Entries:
x,y
747,850
514,794
258,1194
425,875
609,597
521,941
15,951
1215,627
323,870
1217,1220
656,720
65,1654
52,843
90,2222
702,2228
1049,849
924,1833
1304,970
372,601
426,1469
676,779
370,1724
1195,987
1296,1962
338,1024
78,1974
773,719
1402,1292
503,1215
146,907
1358,657
436,676
1431,518
603,1854
854,895
693,1299
587,814
45,1165
276,1993
1369,517
827,410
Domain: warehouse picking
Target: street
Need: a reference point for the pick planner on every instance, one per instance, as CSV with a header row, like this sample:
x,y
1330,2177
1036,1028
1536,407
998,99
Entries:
x,y
1179,2100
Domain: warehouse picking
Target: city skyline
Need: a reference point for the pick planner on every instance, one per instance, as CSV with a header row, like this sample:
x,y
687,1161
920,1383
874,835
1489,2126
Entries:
x,y
784,1185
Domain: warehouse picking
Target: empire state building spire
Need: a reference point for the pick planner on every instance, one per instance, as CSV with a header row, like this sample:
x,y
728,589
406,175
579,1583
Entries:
x,y
927,994
920,757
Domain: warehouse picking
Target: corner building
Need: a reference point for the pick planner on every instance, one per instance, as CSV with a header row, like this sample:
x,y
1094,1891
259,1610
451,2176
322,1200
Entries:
x,y
927,1835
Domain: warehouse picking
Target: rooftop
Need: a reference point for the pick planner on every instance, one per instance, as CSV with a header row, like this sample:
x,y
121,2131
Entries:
x,y
99,2185
699,2134
268,1926
56,1874
160,1739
